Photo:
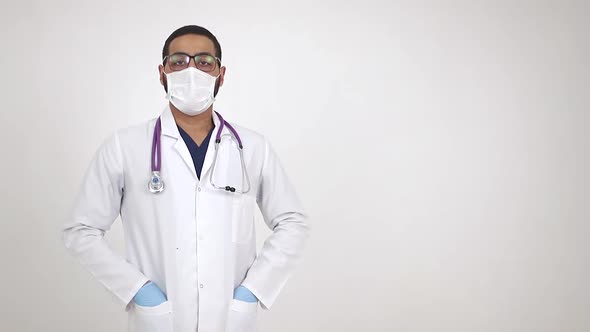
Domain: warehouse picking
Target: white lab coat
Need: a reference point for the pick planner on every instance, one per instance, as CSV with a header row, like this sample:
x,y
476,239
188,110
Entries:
x,y
195,242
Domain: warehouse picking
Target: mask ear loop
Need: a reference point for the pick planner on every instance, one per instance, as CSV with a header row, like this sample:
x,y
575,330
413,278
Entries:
x,y
168,96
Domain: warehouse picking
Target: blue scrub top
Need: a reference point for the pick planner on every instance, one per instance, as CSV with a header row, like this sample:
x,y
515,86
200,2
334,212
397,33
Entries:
x,y
197,152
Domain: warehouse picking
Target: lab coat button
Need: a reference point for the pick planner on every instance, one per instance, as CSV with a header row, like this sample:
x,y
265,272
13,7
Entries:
x,y
199,188
201,285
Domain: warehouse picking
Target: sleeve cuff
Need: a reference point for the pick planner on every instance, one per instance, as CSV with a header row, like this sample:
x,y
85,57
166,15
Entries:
x,y
129,299
264,303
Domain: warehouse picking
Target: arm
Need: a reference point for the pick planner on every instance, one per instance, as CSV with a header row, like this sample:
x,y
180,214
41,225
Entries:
x,y
285,216
96,207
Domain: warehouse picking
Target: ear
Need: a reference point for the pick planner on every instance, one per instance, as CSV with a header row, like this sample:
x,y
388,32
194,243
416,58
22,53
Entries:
x,y
161,71
221,76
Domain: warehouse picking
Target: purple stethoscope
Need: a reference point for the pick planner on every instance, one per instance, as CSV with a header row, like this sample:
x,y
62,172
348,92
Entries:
x,y
156,185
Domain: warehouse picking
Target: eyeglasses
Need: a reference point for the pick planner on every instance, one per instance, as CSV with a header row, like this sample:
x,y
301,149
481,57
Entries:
x,y
204,61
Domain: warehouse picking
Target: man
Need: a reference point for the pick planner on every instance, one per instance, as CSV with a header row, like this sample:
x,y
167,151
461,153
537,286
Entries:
x,y
191,262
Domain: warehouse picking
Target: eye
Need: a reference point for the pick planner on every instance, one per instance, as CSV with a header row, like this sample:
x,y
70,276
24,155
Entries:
x,y
209,59
178,60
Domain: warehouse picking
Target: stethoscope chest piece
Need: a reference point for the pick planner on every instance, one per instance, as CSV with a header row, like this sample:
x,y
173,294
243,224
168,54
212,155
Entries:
x,y
156,185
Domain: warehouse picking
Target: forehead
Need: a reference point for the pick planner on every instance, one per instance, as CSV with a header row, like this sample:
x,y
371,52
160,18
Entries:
x,y
191,44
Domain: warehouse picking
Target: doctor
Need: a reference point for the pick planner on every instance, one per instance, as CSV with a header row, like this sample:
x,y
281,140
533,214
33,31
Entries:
x,y
186,185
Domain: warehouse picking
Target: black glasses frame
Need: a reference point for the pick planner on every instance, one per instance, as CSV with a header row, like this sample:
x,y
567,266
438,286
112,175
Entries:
x,y
194,58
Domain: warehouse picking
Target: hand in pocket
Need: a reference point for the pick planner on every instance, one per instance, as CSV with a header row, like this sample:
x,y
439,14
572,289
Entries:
x,y
150,295
241,316
152,319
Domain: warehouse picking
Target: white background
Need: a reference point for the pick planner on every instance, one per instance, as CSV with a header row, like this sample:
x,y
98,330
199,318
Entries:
x,y
441,148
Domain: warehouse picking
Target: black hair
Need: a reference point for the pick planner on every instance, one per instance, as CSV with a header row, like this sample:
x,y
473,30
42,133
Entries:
x,y
191,30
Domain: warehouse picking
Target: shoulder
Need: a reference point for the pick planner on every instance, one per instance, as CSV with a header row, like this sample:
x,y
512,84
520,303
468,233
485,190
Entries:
x,y
251,139
122,140
137,131
134,134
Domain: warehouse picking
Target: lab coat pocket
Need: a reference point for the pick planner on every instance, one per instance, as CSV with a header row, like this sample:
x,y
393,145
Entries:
x,y
152,319
241,316
242,218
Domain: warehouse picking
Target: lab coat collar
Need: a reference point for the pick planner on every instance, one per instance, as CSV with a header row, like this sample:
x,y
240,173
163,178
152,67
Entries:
x,y
169,128
168,123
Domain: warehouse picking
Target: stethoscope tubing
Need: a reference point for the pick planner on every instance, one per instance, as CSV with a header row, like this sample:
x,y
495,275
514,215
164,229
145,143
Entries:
x,y
156,185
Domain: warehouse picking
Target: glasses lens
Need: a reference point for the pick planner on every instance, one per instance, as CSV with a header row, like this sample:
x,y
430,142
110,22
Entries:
x,y
178,61
205,62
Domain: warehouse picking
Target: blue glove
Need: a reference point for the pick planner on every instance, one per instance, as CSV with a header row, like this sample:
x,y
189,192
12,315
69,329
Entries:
x,y
244,294
149,295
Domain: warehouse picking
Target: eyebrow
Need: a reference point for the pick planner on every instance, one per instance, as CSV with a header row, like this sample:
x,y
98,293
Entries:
x,y
201,53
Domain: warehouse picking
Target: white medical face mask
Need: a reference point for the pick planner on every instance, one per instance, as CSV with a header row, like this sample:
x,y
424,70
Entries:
x,y
190,90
